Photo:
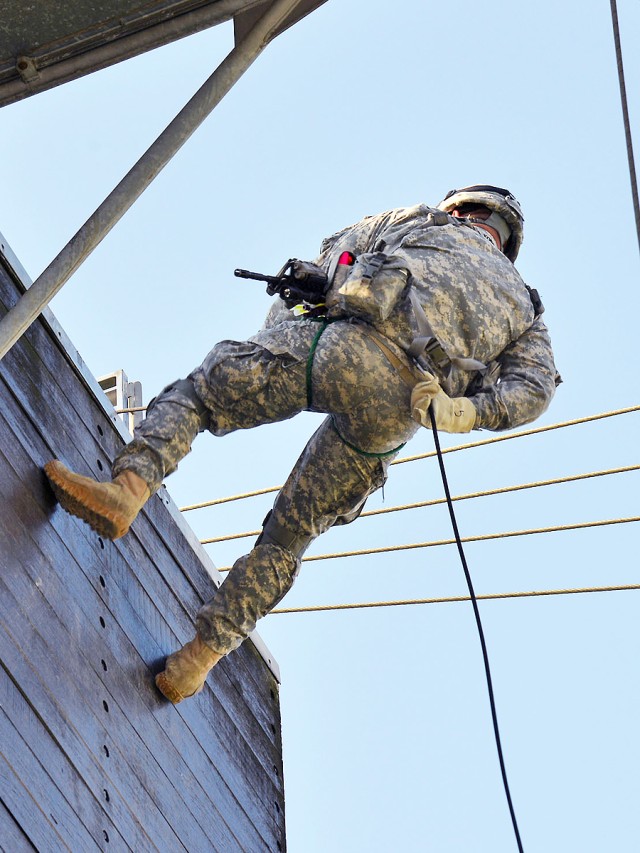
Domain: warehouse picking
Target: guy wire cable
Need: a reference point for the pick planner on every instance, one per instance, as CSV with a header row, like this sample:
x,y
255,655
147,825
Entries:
x,y
495,439
625,115
504,490
476,610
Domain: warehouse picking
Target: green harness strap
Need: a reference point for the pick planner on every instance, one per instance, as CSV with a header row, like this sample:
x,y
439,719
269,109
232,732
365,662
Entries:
x,y
325,322
365,452
312,352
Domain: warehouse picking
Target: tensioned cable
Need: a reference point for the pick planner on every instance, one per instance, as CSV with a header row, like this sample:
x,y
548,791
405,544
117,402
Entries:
x,y
438,501
481,443
483,537
520,434
476,611
625,116
454,599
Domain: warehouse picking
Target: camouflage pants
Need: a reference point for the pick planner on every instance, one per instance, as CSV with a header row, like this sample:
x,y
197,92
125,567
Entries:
x,y
275,375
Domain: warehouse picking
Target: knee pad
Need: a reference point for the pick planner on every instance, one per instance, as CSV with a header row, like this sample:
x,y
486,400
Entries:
x,y
184,388
274,533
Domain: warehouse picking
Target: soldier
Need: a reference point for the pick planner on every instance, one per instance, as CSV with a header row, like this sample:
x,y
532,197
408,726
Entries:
x,y
424,306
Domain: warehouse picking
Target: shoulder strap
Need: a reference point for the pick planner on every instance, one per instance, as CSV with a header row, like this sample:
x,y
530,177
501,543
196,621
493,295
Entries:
x,y
538,307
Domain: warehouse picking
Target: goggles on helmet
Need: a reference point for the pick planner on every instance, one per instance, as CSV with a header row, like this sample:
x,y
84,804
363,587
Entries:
x,y
499,201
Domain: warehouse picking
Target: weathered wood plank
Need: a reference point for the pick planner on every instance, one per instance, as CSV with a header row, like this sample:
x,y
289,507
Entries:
x,y
96,640
145,605
70,810
89,705
228,743
12,838
96,752
26,812
205,775
227,734
57,379
85,409
90,808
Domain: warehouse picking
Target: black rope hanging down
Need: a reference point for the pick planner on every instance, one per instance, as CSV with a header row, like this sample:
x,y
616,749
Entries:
x,y
625,116
487,669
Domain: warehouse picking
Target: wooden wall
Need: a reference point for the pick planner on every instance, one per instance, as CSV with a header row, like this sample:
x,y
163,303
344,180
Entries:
x,y
91,756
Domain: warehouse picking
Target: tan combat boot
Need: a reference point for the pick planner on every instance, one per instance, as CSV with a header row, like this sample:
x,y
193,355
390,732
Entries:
x,y
186,670
109,508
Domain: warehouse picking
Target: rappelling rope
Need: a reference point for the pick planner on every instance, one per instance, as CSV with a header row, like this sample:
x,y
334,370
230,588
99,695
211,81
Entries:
x,y
476,610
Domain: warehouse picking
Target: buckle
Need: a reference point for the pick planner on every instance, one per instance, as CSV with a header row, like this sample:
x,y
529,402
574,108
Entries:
x,y
435,352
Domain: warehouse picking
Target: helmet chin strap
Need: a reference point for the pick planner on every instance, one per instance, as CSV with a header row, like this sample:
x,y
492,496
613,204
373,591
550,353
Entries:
x,y
495,221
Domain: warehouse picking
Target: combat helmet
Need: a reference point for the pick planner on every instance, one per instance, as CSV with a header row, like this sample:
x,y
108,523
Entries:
x,y
499,201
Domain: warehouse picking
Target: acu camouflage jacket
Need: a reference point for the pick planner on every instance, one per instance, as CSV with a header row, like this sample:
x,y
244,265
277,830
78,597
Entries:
x,y
476,303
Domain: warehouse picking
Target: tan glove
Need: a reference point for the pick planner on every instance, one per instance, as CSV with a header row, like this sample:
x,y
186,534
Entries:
x,y
453,414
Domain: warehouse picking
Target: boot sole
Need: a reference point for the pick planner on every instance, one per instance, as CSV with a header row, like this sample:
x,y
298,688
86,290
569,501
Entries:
x,y
168,690
81,503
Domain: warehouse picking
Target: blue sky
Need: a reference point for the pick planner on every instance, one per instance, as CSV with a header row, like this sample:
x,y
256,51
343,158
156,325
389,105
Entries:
x,y
387,734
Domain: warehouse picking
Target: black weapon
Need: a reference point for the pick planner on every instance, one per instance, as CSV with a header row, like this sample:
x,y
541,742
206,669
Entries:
x,y
297,281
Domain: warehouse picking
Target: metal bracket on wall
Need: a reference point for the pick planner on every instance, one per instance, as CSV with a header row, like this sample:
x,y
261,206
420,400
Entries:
x,y
27,69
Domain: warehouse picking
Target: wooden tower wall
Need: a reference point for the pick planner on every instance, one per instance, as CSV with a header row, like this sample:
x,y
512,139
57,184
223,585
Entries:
x,y
91,756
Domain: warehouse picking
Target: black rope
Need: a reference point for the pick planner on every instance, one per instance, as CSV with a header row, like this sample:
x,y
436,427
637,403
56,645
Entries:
x,y
625,116
476,611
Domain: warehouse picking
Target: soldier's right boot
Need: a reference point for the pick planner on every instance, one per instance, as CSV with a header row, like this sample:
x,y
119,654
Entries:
x,y
108,508
186,670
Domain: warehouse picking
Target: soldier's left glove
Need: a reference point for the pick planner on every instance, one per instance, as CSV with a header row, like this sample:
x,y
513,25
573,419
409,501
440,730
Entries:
x,y
453,414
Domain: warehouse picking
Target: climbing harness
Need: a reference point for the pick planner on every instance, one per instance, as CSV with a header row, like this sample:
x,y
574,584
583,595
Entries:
x,y
409,375
324,322
364,452
426,344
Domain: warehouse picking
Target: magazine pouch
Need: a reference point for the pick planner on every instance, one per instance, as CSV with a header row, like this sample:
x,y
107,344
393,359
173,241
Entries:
x,y
371,289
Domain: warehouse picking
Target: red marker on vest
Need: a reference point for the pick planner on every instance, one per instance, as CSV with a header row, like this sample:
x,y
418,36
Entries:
x,y
346,259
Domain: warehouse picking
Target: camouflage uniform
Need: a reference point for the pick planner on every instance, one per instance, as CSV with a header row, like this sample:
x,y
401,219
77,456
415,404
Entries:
x,y
478,307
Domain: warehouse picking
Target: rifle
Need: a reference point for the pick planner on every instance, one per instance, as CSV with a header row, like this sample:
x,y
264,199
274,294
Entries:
x,y
297,281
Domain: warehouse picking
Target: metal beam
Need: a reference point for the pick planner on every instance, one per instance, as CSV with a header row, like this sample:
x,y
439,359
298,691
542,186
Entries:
x,y
29,306
71,57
